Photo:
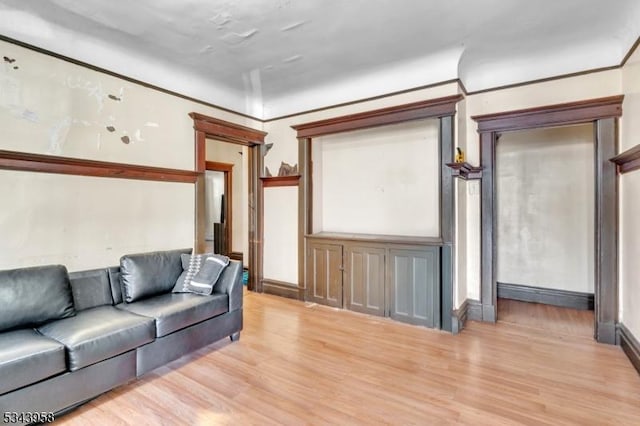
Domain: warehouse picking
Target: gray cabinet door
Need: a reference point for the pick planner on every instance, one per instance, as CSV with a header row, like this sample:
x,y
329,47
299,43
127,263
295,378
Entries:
x,y
413,277
324,273
364,279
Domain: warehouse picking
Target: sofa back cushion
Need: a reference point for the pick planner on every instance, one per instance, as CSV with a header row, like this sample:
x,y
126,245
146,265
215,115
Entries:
x,y
147,274
32,296
114,282
90,289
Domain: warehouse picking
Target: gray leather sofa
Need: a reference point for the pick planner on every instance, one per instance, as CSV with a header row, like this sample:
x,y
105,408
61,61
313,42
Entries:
x,y
67,338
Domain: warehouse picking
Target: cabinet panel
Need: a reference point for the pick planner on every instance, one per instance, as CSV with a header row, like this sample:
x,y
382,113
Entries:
x,y
364,279
413,283
324,274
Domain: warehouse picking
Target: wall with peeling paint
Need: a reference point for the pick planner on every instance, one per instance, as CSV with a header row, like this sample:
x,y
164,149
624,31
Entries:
x,y
49,106
84,222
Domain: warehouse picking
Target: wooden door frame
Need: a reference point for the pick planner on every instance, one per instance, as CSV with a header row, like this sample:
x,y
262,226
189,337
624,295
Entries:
x,y
603,113
210,127
227,170
443,109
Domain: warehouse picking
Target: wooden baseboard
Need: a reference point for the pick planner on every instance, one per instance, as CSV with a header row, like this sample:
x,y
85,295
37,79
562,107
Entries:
x,y
237,255
629,345
282,289
547,296
469,310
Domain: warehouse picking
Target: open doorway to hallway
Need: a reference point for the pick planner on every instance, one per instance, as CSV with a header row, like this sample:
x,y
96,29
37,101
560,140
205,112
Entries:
x,y
545,193
227,199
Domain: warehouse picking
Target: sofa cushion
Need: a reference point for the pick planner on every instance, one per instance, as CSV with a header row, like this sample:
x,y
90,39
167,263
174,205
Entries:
x,y
90,289
175,311
200,272
147,274
32,296
27,357
99,333
114,282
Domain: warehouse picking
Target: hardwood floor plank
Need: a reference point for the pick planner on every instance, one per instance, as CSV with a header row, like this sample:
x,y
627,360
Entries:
x,y
300,363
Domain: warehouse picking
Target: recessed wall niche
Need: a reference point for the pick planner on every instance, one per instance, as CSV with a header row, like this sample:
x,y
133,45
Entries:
x,y
383,180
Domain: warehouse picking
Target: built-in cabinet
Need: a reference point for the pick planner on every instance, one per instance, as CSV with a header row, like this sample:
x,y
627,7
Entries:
x,y
397,277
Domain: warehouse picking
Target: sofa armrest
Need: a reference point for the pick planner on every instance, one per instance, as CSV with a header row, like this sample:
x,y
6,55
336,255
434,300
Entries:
x,y
230,283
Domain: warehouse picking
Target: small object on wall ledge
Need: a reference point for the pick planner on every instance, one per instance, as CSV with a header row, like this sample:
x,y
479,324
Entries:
x,y
465,170
459,156
629,160
291,180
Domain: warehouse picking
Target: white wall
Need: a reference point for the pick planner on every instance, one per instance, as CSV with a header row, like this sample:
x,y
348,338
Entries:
x,y
281,236
383,180
84,222
49,106
630,201
225,152
545,208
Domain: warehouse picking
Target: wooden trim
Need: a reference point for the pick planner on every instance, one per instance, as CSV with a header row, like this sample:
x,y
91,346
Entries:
x,y
603,113
242,136
629,345
606,233
22,161
629,160
465,171
237,255
446,135
470,310
546,296
552,115
219,167
459,318
231,132
631,51
282,289
273,181
305,206
396,114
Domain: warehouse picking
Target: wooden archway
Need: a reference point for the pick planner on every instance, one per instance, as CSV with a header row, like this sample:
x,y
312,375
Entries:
x,y
209,127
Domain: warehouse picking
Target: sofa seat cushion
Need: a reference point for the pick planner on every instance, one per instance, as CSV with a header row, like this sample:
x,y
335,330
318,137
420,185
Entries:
x,y
27,357
96,334
175,311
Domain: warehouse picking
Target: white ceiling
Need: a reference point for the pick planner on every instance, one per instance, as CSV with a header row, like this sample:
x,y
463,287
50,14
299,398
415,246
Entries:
x,y
268,58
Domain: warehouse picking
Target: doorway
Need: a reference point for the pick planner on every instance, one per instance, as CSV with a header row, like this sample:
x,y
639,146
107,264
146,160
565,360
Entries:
x,y
545,220
602,114
219,208
212,128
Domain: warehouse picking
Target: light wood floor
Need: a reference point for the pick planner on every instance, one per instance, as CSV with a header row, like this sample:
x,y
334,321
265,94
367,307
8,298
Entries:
x,y
546,317
298,363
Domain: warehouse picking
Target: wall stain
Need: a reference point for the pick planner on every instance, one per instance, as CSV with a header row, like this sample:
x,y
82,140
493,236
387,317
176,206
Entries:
x,y
267,148
125,140
16,67
8,59
115,98
111,129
